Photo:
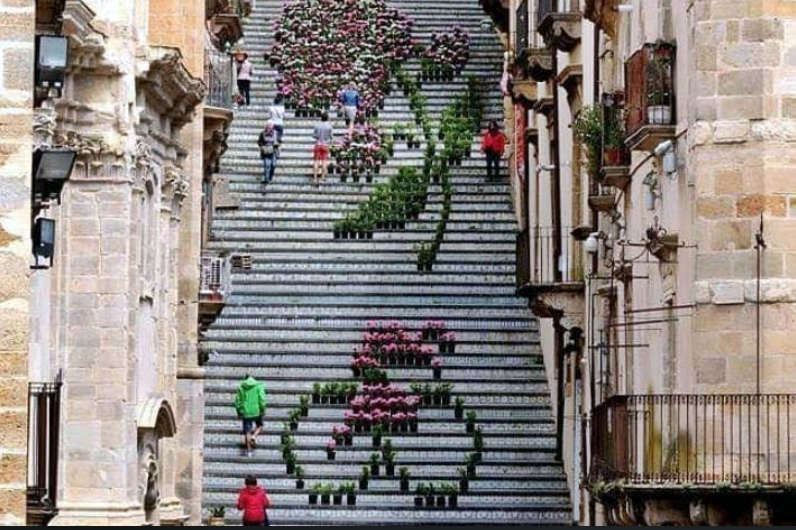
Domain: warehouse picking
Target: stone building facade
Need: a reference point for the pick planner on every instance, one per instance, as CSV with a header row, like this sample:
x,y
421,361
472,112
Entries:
x,y
114,322
646,263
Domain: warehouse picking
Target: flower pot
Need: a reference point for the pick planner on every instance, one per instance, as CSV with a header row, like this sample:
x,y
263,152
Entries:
x,y
459,413
390,469
330,455
613,156
216,521
305,411
464,486
352,500
375,471
299,484
326,500
294,426
313,499
316,399
471,470
418,502
453,501
441,501
437,374
338,500
471,428
431,502
349,440
356,371
290,468
478,457
659,114
376,442
363,484
413,427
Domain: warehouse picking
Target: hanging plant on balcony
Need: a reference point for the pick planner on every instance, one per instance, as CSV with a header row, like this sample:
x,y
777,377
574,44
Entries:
x,y
589,130
616,153
659,79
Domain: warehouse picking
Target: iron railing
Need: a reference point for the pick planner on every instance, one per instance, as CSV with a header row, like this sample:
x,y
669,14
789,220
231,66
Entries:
x,y
650,87
708,440
523,28
44,426
545,269
219,79
215,279
523,258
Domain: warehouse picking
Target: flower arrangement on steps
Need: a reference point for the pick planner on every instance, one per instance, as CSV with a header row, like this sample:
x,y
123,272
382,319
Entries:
x,y
460,121
381,408
361,156
321,45
447,55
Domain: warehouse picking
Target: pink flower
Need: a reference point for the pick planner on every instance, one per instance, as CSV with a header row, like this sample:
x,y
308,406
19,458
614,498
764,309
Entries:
x,y
449,337
331,446
437,362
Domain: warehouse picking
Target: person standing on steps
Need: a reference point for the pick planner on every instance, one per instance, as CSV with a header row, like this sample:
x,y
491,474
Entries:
x,y
245,74
269,150
494,147
278,115
351,101
250,404
253,501
323,135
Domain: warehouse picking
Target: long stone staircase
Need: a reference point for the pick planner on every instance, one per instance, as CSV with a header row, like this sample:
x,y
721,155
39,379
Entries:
x,y
297,313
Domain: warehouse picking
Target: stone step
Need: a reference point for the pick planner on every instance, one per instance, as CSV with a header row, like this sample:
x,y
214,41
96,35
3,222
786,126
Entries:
x,y
331,316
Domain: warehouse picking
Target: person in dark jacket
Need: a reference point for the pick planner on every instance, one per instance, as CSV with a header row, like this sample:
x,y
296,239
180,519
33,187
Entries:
x,y
253,501
494,147
269,150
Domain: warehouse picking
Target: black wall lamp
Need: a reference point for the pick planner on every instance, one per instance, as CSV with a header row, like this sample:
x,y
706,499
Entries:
x,y
52,59
52,168
43,241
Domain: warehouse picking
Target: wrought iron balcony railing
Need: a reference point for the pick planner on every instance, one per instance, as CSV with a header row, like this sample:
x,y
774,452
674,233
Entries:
x,y
44,427
650,87
695,440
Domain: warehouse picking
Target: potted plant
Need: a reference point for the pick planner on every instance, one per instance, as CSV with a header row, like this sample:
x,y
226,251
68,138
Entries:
x,y
316,394
437,364
472,417
316,492
431,496
299,478
420,495
464,480
350,490
288,445
459,410
375,464
378,435
589,130
472,466
217,516
659,84
478,443
337,496
295,416
614,138
405,476
331,450
453,495
428,395
441,497
290,463
364,479
389,464
326,494
305,406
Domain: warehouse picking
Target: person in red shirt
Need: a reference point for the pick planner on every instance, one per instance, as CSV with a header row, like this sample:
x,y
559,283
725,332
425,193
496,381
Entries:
x,y
493,146
254,503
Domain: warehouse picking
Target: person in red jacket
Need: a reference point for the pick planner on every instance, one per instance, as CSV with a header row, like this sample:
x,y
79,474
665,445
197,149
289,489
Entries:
x,y
493,146
254,503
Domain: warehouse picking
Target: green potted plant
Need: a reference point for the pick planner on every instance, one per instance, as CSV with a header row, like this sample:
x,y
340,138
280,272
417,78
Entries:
x,y
326,494
588,127
472,417
459,408
338,495
375,464
316,492
295,416
217,516
378,435
472,466
290,463
420,495
316,394
659,83
299,478
431,494
364,479
478,443
453,495
350,491
305,406
464,480
441,497
389,464
405,476
614,138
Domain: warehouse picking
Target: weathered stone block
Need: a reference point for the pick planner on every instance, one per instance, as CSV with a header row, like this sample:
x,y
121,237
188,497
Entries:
x,y
711,371
18,68
729,182
13,392
13,330
13,435
748,55
747,82
12,501
762,29
715,207
731,235
727,293
741,108
754,205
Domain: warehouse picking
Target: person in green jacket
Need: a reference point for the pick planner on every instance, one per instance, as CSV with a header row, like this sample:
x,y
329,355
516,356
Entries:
x,y
250,404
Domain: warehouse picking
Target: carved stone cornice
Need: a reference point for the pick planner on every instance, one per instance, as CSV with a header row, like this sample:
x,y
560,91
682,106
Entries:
x,y
96,159
604,14
546,107
525,91
44,125
571,79
175,184
87,44
562,30
170,89
536,63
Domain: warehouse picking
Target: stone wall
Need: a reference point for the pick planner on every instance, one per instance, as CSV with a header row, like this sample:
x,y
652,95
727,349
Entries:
x,y
744,156
16,79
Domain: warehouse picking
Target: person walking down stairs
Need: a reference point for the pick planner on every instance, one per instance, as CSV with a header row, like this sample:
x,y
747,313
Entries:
x,y
494,147
269,150
278,117
253,501
323,135
250,404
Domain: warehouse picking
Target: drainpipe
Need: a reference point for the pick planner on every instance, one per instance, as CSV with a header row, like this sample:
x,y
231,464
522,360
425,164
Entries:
x,y
560,410
556,145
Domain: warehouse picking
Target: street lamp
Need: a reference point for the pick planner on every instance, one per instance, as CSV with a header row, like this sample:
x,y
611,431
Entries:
x,y
52,58
44,241
51,170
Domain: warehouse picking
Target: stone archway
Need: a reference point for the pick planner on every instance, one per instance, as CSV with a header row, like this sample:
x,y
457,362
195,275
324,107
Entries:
x,y
156,422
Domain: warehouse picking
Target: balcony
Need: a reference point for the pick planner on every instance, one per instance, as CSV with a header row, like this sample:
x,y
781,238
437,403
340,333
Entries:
x,y
561,27
603,199
535,63
44,425
695,460
225,20
215,288
604,14
651,103
550,271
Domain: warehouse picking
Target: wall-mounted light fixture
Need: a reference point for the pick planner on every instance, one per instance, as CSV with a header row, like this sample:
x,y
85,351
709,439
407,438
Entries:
x,y
52,168
43,241
52,59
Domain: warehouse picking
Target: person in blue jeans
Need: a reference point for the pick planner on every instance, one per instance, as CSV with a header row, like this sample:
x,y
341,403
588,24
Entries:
x,y
269,151
351,102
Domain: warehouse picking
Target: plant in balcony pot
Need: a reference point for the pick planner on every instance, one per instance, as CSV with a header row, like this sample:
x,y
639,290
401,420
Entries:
x,y
299,478
217,516
589,130
472,417
659,89
614,139
459,410
405,476
375,464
